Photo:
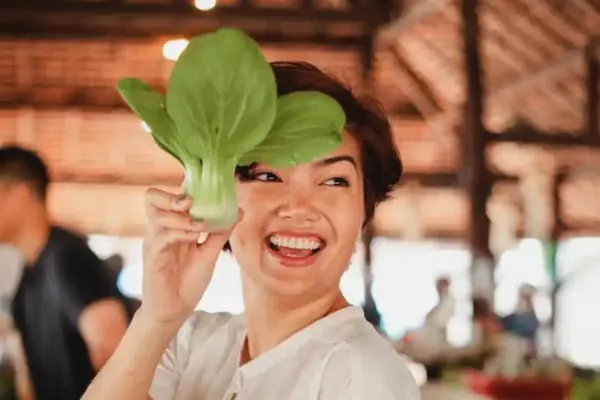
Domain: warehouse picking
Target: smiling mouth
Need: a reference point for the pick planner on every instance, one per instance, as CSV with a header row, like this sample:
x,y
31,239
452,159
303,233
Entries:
x,y
295,247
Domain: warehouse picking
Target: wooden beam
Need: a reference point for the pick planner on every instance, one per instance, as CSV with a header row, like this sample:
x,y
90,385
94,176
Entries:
x,y
549,72
449,179
524,135
425,179
414,87
325,40
128,19
117,180
512,89
88,99
412,17
185,9
478,179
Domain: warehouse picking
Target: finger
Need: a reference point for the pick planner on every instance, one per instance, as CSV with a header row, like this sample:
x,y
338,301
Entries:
x,y
157,199
213,243
167,238
175,220
207,253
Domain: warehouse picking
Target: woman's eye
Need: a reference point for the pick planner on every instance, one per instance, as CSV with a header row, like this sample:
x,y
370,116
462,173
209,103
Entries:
x,y
337,181
266,177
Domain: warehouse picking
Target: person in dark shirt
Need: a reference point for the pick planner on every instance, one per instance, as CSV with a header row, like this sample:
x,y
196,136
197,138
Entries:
x,y
67,309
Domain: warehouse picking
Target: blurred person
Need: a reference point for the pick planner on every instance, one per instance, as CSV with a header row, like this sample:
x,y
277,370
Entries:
x,y
67,310
523,322
439,317
430,338
487,328
115,265
10,271
11,267
298,338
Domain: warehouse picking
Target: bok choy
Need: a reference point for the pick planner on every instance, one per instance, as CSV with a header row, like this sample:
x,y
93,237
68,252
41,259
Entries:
x,y
221,110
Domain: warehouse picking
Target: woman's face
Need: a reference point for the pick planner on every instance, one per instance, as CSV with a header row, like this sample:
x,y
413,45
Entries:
x,y
301,223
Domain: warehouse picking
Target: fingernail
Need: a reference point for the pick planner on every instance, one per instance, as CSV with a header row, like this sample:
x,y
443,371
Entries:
x,y
179,200
203,237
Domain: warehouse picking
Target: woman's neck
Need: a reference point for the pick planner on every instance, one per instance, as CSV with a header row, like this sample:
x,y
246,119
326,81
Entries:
x,y
270,322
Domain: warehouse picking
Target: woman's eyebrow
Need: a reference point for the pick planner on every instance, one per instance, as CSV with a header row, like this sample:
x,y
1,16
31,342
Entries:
x,y
337,159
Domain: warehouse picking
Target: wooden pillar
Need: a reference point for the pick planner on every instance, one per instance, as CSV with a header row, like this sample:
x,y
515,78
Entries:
x,y
476,175
593,94
552,247
367,59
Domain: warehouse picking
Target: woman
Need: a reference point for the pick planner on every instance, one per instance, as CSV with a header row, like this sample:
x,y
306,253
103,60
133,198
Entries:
x,y
299,338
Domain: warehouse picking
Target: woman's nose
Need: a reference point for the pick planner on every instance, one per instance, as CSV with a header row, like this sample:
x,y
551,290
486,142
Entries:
x,y
299,208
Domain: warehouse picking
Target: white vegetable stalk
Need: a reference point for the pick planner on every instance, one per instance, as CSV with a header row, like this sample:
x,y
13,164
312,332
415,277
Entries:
x,y
211,185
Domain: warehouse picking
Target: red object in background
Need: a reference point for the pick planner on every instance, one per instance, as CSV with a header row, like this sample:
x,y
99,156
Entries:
x,y
516,389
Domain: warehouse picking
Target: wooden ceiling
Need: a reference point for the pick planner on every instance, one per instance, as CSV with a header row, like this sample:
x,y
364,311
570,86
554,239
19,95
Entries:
x,y
59,62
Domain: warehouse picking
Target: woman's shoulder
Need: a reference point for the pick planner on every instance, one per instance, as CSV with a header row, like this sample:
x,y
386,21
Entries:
x,y
201,328
203,323
205,320
367,363
202,340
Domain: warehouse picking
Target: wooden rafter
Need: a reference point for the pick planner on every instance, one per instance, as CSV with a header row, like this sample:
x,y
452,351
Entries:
x,y
549,72
425,179
412,17
415,88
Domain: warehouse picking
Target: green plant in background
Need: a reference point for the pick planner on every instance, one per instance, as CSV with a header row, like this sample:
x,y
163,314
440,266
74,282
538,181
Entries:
x,y
221,110
586,389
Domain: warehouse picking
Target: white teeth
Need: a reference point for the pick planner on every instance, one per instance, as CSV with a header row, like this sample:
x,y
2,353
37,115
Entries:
x,y
295,242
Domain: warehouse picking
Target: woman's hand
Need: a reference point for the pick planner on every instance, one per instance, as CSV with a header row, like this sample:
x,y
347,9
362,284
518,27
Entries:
x,y
177,269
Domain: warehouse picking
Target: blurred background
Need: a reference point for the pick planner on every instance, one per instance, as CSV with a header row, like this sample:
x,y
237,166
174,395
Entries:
x,y
495,110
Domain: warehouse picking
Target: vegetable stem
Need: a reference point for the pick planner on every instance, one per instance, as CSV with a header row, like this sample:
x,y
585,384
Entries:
x,y
211,185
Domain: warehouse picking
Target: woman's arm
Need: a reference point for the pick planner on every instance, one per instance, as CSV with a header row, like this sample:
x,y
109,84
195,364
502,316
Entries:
x,y
129,372
24,388
177,271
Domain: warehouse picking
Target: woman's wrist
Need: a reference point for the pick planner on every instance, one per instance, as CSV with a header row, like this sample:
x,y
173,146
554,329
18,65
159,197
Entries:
x,y
148,323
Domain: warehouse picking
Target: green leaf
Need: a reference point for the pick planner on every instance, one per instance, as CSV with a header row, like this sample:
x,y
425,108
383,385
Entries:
x,y
308,125
222,95
149,106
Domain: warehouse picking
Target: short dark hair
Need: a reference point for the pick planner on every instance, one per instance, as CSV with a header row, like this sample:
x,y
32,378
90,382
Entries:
x,y
365,120
18,164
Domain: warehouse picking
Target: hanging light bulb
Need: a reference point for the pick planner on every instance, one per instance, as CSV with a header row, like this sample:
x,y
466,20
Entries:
x,y
205,5
172,49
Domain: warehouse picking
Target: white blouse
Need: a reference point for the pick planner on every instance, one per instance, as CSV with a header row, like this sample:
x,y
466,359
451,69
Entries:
x,y
340,357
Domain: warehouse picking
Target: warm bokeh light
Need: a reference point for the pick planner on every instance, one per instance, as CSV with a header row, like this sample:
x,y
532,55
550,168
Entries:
x,y
205,5
172,49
